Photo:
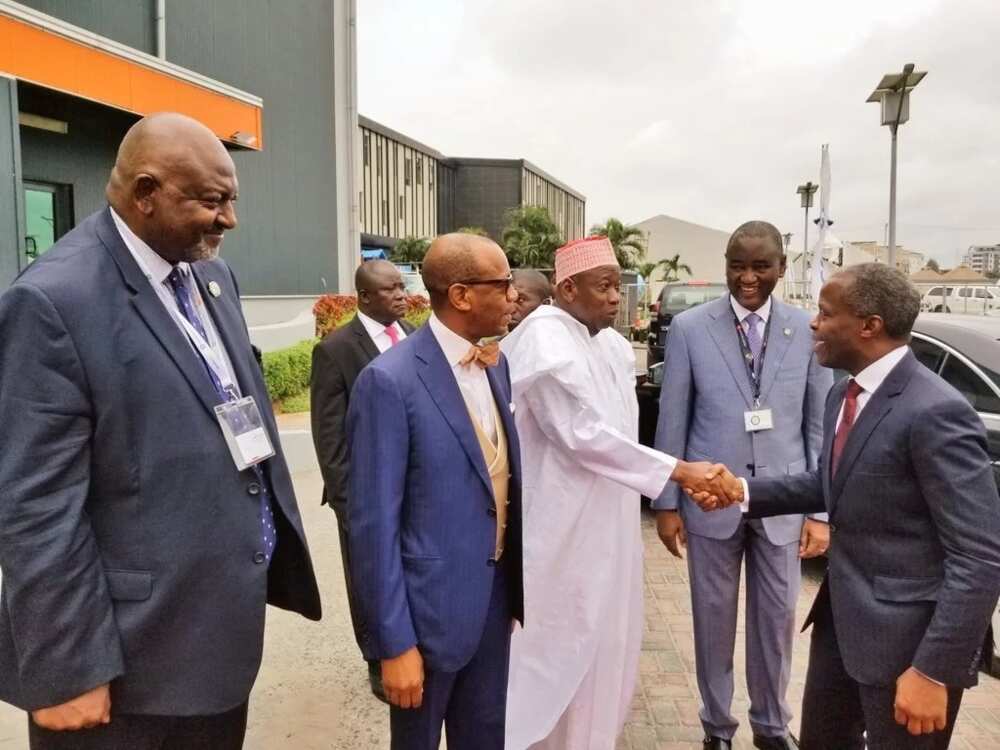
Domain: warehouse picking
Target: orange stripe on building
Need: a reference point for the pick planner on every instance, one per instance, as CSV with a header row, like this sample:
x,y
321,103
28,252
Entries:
x,y
38,56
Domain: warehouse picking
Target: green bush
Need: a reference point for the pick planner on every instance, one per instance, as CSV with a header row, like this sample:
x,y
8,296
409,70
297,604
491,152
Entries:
x,y
287,371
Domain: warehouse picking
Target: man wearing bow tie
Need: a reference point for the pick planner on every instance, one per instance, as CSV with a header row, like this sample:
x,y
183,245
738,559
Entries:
x,y
435,546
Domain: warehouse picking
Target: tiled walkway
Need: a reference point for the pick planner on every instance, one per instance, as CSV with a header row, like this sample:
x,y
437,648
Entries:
x,y
665,710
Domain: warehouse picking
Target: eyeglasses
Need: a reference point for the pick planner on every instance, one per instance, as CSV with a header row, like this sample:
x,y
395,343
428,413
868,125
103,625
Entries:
x,y
504,282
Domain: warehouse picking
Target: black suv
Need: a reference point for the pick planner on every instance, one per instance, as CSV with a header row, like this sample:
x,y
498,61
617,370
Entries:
x,y
675,298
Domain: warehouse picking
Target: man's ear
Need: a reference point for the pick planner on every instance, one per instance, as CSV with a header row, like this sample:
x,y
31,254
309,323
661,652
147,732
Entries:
x,y
872,327
567,289
143,189
458,297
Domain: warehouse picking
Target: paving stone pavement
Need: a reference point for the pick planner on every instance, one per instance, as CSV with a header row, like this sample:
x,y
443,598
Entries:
x,y
665,709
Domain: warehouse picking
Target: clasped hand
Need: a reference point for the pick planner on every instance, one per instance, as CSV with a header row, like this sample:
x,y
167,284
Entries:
x,y
712,486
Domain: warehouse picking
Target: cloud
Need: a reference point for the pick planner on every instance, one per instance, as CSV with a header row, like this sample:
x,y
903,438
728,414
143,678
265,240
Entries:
x,y
711,111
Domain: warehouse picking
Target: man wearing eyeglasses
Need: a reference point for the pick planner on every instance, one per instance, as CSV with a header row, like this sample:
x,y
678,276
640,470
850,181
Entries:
x,y
436,543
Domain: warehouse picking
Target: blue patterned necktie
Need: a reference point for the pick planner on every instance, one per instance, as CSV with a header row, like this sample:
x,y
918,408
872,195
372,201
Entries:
x,y
753,335
183,297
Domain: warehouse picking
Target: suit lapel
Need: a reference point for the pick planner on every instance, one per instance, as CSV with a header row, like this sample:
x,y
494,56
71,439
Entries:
x,y
778,345
723,331
877,409
364,340
435,373
503,409
147,303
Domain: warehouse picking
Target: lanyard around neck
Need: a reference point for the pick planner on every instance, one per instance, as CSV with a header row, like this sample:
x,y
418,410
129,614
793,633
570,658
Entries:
x,y
754,367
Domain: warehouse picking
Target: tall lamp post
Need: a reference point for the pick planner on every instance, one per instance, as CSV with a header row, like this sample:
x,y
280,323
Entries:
x,y
807,192
893,93
787,237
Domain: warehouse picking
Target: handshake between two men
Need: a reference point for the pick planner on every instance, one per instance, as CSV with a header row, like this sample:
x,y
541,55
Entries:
x,y
712,486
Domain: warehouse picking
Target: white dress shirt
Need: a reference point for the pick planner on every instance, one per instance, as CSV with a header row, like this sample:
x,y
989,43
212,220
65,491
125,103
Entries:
x,y
156,270
378,332
471,378
869,379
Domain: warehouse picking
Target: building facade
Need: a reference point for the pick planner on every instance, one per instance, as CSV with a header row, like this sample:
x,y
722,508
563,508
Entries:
x,y
74,76
410,189
983,258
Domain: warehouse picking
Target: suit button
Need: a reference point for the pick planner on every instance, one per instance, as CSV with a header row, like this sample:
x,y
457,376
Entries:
x,y
491,511
833,528
259,558
491,562
253,488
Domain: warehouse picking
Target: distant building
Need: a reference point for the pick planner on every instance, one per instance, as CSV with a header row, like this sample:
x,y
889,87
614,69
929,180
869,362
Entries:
x,y
983,258
408,188
700,247
907,261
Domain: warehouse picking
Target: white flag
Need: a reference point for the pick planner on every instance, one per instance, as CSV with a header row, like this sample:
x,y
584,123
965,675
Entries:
x,y
818,276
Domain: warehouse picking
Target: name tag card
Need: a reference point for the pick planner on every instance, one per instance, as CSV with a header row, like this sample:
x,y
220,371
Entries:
x,y
755,421
243,429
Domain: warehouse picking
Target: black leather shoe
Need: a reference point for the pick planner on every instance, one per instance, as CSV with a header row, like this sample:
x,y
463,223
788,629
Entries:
x,y
716,743
775,743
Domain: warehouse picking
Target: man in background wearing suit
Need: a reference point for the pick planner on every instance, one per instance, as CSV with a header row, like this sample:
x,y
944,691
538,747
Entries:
x,y
756,360
914,562
137,553
336,362
434,519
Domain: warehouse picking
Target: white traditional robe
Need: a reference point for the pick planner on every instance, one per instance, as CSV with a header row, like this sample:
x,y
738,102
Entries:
x,y
574,665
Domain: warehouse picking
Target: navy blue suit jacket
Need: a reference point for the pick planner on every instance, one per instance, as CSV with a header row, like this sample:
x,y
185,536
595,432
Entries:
x,y
129,541
422,523
914,558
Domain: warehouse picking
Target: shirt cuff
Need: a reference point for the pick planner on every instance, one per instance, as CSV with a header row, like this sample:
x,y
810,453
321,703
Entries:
x,y
745,505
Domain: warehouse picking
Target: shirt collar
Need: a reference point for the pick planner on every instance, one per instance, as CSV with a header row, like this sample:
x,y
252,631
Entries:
x,y
875,374
763,312
373,327
151,262
453,345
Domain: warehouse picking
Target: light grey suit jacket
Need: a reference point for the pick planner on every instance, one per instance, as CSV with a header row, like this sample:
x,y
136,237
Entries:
x,y
706,392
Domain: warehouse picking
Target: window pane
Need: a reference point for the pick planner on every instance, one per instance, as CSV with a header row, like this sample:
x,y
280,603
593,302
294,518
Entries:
x,y
40,212
928,354
971,386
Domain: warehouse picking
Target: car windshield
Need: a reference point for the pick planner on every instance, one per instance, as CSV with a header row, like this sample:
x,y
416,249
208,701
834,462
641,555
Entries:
x,y
677,298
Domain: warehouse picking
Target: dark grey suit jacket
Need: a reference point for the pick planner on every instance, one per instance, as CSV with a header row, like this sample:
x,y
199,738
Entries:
x,y
336,362
914,558
129,542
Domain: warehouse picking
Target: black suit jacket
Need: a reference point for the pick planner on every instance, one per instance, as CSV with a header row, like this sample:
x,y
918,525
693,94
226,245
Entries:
x,y
336,362
914,558
129,542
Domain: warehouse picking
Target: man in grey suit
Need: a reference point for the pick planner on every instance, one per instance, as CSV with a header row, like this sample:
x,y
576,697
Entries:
x,y
741,386
138,555
914,569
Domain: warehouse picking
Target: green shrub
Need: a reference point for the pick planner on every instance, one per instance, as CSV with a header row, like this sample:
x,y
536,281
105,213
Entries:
x,y
287,371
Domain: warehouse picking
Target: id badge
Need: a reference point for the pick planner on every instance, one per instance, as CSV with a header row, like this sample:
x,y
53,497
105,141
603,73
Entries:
x,y
244,432
758,420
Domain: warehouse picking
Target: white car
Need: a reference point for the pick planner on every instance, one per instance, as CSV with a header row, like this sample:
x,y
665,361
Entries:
x,y
978,300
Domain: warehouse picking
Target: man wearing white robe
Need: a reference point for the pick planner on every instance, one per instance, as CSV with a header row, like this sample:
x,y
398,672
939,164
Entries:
x,y
574,666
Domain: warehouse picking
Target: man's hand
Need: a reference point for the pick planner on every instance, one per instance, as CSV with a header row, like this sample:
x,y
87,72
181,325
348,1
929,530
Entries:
x,y
83,712
670,527
814,540
712,486
403,679
921,705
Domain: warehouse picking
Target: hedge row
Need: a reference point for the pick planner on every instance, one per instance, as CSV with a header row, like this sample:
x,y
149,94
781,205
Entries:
x,y
287,371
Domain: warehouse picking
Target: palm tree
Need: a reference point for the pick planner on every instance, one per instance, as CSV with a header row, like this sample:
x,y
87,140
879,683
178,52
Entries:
x,y
628,241
530,237
672,268
410,250
647,269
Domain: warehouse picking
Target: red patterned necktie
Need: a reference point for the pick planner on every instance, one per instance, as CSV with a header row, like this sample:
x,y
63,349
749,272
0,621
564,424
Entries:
x,y
391,333
846,423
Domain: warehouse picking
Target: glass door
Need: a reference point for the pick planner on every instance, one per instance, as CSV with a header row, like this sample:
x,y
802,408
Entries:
x,y
48,216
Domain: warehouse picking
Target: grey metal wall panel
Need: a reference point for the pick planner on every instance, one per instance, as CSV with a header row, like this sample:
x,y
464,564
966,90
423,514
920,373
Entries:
x,y
11,212
282,52
483,193
130,22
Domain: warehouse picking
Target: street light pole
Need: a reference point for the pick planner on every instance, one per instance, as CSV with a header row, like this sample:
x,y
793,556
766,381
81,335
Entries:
x,y
893,94
807,192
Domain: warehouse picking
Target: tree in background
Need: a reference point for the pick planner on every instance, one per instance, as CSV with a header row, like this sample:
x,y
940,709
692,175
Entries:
x,y
628,241
479,231
672,268
932,265
410,250
530,237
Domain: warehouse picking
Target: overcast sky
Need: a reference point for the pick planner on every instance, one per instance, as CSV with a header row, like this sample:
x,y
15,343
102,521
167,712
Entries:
x,y
712,111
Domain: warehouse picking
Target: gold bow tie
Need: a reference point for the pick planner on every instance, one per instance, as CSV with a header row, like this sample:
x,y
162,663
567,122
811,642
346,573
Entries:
x,y
484,356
